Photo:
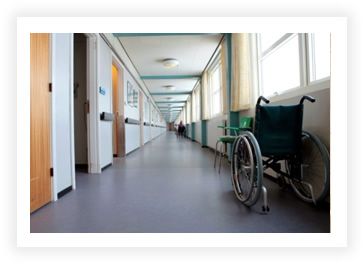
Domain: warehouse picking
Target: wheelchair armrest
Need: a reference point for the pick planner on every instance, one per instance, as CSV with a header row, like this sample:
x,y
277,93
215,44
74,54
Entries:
x,y
229,128
233,128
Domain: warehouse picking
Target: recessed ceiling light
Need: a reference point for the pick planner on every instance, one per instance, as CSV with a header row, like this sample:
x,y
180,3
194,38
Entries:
x,y
170,63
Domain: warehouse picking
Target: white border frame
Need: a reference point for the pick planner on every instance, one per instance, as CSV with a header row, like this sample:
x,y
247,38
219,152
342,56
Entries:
x,y
338,89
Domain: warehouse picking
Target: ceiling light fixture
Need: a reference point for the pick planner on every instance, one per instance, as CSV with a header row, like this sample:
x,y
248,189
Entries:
x,y
170,87
170,63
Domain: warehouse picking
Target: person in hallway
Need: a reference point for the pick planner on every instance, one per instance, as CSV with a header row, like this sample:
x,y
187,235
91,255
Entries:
x,y
180,129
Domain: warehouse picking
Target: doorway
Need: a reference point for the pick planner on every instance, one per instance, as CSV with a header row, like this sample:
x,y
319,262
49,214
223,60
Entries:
x,y
81,103
115,106
118,110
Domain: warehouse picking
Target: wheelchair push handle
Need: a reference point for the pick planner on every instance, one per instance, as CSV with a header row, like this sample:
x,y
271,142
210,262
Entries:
x,y
262,98
307,97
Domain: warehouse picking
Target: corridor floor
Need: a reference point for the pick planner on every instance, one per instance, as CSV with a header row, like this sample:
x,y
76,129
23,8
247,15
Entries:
x,y
170,185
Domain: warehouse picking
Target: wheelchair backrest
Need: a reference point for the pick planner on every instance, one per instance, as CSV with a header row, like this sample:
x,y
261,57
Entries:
x,y
278,129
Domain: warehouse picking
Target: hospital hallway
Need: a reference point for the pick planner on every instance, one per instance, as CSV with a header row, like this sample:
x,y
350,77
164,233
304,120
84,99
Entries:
x,y
169,185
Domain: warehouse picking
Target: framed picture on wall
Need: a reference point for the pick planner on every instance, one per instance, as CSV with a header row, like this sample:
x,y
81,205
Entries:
x,y
129,90
135,98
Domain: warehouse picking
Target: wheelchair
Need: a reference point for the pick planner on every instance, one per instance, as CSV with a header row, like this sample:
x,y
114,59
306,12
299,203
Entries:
x,y
279,144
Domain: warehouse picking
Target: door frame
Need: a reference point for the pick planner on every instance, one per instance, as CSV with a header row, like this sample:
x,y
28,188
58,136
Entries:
x,y
93,158
121,136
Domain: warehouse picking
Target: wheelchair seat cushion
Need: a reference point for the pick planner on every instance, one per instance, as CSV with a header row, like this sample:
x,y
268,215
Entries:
x,y
278,129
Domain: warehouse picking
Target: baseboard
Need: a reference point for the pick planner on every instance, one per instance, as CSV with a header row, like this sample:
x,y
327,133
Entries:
x,y
106,166
64,192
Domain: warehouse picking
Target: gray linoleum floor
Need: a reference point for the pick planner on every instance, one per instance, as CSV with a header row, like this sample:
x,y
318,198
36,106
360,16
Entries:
x,y
170,185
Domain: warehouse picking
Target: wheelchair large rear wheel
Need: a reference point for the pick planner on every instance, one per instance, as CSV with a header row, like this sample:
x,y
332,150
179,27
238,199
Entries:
x,y
315,170
246,169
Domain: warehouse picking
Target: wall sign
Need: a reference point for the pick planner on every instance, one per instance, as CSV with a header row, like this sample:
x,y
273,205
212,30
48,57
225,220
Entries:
x,y
102,90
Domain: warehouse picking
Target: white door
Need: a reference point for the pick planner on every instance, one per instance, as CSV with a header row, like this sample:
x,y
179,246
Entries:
x,y
104,69
62,112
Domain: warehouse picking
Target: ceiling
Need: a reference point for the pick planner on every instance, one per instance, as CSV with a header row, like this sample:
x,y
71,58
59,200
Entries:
x,y
147,51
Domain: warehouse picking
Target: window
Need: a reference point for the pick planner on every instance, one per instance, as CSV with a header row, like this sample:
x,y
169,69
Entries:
x,y
319,54
188,111
280,63
196,112
292,60
215,87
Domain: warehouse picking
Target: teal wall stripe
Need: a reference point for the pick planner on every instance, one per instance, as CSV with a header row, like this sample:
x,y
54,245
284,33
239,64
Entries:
x,y
168,77
193,127
204,133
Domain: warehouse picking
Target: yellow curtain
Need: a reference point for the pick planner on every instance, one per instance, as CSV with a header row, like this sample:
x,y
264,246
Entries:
x,y
188,108
193,109
205,97
241,72
198,103
224,102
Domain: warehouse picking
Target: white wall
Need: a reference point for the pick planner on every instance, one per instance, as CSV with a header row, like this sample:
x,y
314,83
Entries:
x,y
132,131
146,118
104,75
147,133
62,111
154,132
213,132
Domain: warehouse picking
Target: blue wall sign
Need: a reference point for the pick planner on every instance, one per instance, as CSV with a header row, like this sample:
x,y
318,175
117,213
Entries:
x,y
102,90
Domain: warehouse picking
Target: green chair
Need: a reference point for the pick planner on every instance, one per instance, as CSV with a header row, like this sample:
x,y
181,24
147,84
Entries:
x,y
244,124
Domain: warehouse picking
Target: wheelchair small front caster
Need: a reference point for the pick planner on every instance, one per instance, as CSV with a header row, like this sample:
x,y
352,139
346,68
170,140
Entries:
x,y
265,209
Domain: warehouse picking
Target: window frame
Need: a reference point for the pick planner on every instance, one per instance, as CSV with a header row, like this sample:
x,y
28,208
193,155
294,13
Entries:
x,y
309,42
306,86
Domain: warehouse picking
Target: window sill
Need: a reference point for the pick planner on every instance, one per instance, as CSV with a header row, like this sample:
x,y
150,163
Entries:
x,y
300,91
217,116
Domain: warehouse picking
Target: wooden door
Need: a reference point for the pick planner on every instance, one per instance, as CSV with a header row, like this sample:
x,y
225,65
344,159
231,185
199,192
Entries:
x,y
40,182
115,101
